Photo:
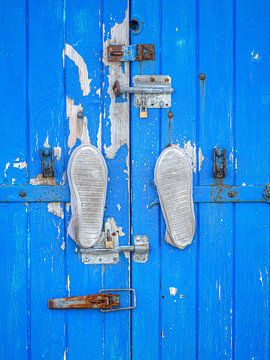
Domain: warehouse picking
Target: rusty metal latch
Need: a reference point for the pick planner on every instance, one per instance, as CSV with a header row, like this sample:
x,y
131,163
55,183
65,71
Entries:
x,y
151,91
140,52
105,301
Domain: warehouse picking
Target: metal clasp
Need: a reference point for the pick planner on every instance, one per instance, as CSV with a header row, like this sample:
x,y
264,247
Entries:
x,y
107,249
133,303
151,91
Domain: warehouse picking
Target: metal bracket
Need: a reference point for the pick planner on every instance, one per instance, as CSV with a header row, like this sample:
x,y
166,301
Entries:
x,y
140,52
151,91
107,249
266,193
219,163
47,162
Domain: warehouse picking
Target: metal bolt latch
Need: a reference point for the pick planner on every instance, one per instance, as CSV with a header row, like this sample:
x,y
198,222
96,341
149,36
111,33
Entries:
x,y
107,249
151,91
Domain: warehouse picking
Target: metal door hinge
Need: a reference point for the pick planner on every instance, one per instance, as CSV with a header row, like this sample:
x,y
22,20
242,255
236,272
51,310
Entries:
x,y
151,91
106,301
47,162
219,163
140,52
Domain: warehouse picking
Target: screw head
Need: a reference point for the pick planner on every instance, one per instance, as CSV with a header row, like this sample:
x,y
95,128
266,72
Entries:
x,y
170,114
202,76
85,260
231,194
22,193
80,115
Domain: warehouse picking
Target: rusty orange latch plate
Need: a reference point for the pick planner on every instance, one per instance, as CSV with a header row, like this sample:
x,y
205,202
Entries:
x,y
95,301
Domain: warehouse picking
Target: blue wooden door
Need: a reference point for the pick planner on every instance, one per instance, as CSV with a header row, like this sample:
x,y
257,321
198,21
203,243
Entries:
x,y
208,301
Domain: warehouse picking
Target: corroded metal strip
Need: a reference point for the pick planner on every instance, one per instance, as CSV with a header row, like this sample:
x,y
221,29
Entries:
x,y
95,301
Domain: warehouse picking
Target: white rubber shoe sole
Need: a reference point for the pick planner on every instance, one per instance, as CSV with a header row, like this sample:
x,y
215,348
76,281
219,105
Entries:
x,y
173,179
87,176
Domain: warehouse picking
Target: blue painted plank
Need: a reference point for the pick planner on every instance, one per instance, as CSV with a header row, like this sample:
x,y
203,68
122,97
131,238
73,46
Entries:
x,y
83,34
46,124
215,222
13,282
178,278
252,167
145,147
117,325
14,323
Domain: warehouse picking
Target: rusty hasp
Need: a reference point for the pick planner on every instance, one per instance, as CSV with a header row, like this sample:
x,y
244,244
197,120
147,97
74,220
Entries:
x,y
140,52
95,301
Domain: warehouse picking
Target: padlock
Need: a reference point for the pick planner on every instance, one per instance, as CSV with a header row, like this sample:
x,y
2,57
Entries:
x,y
143,112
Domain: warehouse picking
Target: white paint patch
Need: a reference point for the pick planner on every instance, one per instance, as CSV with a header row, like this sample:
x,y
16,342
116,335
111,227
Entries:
x,y
231,156
40,180
67,206
99,133
57,152
118,207
261,278
119,111
13,181
74,56
255,56
78,128
218,287
46,142
114,228
98,92
173,291
200,159
65,354
63,245
20,165
68,285
6,168
190,150
64,177
244,184
56,209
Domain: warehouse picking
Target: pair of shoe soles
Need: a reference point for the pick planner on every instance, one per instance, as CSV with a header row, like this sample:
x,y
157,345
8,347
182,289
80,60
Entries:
x,y
88,174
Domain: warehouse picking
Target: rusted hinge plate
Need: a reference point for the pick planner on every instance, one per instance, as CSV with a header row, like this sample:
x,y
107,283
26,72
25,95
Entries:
x,y
140,52
95,301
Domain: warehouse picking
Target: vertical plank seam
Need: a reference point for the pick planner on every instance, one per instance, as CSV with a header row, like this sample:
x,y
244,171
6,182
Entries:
x,y
197,32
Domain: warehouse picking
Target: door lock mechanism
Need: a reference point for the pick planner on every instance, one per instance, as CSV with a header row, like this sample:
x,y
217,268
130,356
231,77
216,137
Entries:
x,y
150,91
107,249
